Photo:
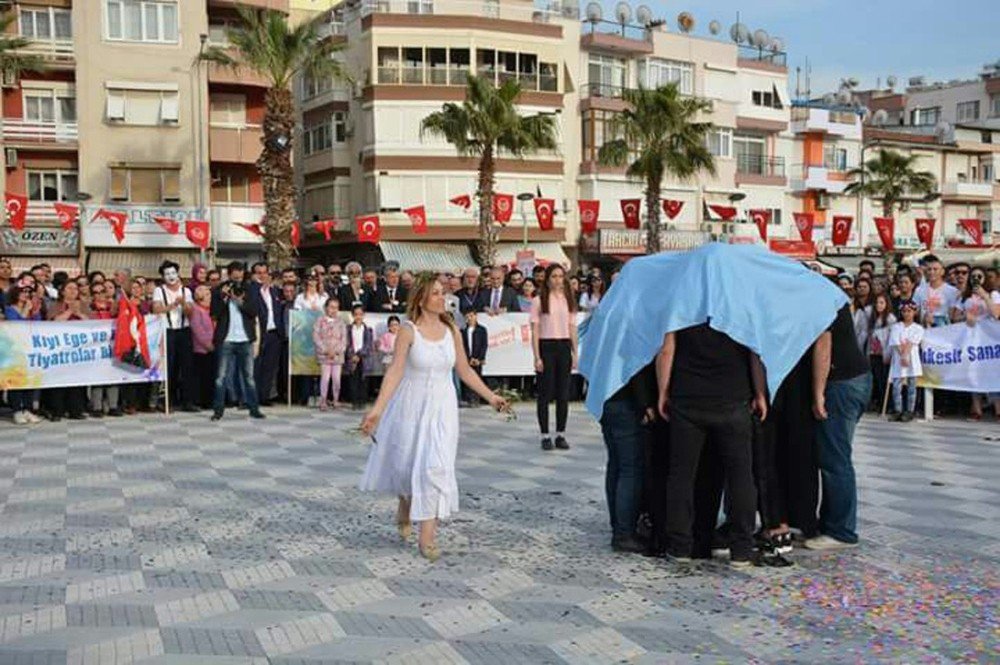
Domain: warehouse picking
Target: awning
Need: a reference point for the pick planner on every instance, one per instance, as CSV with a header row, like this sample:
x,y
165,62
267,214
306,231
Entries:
x,y
141,263
428,256
545,252
69,264
980,256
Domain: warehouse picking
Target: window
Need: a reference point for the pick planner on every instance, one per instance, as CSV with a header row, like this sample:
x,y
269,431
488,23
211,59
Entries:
x,y
312,87
46,23
217,34
458,62
751,155
49,106
720,142
967,111
317,138
227,110
929,116
413,65
339,127
420,6
606,75
143,107
995,106
766,98
142,20
145,185
657,72
437,66
834,158
52,185
388,64
230,187
548,77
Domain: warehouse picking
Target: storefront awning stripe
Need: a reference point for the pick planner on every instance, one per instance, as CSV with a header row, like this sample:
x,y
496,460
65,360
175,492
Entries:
x,y
428,256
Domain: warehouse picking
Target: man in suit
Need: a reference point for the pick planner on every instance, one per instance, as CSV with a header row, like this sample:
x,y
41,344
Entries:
x,y
235,336
266,301
359,357
498,299
390,298
476,342
468,295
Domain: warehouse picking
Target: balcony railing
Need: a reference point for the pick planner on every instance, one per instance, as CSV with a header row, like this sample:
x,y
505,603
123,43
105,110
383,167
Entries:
x,y
623,30
486,8
760,165
49,49
32,131
778,58
458,75
598,89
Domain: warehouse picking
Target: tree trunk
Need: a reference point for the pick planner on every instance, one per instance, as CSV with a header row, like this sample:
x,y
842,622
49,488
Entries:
x,y
887,207
486,248
277,177
653,214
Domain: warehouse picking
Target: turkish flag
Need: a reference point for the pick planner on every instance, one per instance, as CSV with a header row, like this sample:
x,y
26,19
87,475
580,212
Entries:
x,y
589,211
545,213
630,212
17,210
131,345
925,231
117,221
252,228
885,227
672,208
418,218
725,213
761,217
325,227
464,200
369,229
197,232
68,215
974,227
841,229
168,224
804,222
296,235
503,207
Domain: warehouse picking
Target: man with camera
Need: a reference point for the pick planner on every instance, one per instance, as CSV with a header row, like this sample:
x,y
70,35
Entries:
x,y
235,338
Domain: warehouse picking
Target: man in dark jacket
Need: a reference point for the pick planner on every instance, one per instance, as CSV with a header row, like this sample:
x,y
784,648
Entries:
x,y
498,299
476,342
390,297
235,335
266,301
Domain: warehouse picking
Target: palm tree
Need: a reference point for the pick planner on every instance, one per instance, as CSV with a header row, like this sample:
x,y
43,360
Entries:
x,y
265,44
13,63
659,135
486,123
890,177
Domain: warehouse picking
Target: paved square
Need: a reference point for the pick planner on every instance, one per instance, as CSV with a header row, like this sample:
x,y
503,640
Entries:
x,y
179,541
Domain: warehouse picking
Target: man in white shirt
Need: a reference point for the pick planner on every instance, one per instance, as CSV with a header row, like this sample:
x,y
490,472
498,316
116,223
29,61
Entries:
x,y
935,297
267,302
235,335
174,302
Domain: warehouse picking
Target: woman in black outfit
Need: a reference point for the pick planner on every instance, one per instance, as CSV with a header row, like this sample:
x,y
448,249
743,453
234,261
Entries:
x,y
553,339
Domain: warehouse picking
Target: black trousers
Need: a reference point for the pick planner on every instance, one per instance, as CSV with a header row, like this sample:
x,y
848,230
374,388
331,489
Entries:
x,y
180,368
64,401
204,370
770,491
265,367
880,381
654,482
710,434
796,454
357,385
554,381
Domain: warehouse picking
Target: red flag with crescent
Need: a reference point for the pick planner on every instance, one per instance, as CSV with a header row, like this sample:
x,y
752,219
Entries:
x,y
197,232
296,236
672,208
841,229
725,213
17,210
463,200
252,228
925,230
131,344
630,212
324,227
116,219
369,229
418,218
804,222
974,227
886,232
503,207
589,211
545,213
761,217
168,224
68,215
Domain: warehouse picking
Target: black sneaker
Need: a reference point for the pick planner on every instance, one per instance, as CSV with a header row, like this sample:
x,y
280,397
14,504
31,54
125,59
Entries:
x,y
546,443
258,415
783,542
907,417
627,544
561,443
217,416
115,413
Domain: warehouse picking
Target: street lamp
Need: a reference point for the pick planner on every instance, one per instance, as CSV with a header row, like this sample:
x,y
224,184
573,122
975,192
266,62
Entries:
x,y
524,197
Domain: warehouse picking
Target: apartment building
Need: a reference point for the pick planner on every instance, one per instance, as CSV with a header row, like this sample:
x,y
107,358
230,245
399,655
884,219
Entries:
x,y
127,119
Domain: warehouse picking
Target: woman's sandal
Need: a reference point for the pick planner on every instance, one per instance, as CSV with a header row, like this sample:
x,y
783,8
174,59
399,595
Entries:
x,y
430,552
404,525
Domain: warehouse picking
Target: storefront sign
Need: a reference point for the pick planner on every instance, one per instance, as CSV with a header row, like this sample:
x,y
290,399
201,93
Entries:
x,y
793,249
633,241
526,260
39,241
141,230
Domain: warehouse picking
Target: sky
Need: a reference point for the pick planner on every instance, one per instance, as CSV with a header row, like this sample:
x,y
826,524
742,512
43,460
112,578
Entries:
x,y
865,39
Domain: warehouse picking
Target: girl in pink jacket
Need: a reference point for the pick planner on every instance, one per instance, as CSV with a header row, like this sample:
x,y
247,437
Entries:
x,y
330,340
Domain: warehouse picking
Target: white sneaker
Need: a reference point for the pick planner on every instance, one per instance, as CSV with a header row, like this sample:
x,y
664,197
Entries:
x,y
19,418
828,543
32,418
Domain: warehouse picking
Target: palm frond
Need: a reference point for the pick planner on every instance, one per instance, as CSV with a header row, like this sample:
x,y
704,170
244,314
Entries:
x,y
13,63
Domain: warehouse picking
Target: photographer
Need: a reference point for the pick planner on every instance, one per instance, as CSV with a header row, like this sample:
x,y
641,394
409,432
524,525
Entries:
x,y
235,339
978,303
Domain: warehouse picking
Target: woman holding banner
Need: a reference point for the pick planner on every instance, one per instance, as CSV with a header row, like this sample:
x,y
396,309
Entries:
x,y
414,421
21,308
68,401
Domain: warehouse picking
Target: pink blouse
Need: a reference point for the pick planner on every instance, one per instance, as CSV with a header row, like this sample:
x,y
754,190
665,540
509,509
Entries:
x,y
558,322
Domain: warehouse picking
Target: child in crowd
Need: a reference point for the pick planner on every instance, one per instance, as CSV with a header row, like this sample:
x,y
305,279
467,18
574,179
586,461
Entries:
x,y
387,342
330,340
904,341
360,354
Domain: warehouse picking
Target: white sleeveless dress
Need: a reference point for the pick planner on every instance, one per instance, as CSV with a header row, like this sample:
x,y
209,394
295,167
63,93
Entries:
x,y
417,438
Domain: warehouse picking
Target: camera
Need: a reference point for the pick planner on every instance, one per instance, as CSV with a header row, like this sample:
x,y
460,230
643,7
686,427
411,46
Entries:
x,y
234,289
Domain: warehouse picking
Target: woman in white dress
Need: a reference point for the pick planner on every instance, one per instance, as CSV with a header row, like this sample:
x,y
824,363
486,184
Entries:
x,y
415,418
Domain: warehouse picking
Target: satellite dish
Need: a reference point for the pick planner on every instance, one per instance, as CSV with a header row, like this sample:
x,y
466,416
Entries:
x,y
739,33
623,12
644,15
880,117
685,22
891,82
942,129
866,113
844,97
777,45
853,82
714,27
829,99
594,12
761,38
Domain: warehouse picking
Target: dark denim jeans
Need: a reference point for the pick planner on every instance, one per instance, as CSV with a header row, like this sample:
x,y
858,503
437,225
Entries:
x,y
845,404
240,356
624,434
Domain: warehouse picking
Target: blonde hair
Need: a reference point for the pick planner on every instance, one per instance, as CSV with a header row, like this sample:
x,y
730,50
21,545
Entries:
x,y
421,290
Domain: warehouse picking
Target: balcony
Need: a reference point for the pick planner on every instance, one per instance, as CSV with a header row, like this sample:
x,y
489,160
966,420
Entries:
x,y
458,76
225,217
805,177
760,170
235,145
57,53
843,123
277,5
488,9
616,38
752,57
224,75
32,133
962,189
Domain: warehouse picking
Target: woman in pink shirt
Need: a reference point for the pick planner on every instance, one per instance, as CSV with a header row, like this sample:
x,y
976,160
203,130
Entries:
x,y
553,339
202,331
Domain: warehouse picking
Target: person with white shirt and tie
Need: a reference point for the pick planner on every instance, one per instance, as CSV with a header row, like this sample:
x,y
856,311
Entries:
x,y
267,303
390,297
174,302
476,342
497,298
359,357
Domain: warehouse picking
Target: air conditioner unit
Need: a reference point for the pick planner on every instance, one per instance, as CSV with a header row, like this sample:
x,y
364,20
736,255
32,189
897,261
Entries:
x,y
10,79
823,202
10,157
